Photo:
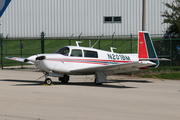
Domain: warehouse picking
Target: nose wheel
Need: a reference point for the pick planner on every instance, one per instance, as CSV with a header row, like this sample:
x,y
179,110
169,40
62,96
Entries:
x,y
63,79
48,81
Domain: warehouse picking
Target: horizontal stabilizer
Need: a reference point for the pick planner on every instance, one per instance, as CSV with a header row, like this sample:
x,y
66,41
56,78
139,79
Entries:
x,y
164,59
160,59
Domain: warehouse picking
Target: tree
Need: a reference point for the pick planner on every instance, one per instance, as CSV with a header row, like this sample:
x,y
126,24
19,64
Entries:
x,y
173,18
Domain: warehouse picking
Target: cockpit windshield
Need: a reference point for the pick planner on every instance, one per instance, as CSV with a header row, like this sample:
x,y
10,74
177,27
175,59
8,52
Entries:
x,y
63,51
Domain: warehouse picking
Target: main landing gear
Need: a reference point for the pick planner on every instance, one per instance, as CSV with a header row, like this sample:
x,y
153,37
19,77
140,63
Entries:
x,y
64,79
96,82
100,77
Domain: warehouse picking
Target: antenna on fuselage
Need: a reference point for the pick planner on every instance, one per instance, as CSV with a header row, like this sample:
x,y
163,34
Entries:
x,y
98,40
112,49
77,43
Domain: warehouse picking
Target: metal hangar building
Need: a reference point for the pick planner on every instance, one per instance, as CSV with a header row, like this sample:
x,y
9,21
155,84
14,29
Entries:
x,y
62,18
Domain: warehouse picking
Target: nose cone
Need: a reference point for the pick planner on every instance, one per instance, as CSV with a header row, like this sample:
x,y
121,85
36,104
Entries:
x,y
32,58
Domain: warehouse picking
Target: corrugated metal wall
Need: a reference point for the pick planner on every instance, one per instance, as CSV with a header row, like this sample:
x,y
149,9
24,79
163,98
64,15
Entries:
x,y
154,9
61,18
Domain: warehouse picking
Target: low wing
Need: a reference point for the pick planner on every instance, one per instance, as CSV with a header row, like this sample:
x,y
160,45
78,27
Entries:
x,y
20,59
117,68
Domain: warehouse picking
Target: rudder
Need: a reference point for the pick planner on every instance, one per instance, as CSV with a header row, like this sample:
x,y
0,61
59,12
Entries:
x,y
146,49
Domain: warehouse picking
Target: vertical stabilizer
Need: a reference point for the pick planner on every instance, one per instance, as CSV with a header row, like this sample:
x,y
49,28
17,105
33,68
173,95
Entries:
x,y
146,49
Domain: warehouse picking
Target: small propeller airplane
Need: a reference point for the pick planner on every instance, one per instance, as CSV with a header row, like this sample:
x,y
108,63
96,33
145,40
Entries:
x,y
76,60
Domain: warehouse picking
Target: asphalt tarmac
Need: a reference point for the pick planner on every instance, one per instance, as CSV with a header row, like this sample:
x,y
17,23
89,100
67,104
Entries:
x,y
129,98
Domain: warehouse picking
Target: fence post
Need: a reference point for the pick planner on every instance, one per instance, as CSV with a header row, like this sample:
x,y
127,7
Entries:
x,y
131,49
131,44
80,35
100,41
170,53
42,42
21,47
1,41
112,38
6,45
70,39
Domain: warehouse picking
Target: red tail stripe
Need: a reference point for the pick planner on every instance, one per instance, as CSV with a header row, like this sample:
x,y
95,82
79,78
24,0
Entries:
x,y
142,50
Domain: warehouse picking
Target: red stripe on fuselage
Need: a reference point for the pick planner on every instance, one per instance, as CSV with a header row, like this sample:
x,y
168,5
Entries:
x,y
71,60
142,50
90,61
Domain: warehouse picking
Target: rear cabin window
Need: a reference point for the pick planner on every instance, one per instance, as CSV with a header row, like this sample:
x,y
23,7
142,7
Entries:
x,y
76,53
92,54
63,51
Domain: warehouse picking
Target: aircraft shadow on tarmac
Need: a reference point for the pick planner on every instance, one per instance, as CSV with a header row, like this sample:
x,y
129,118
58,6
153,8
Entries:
x,y
135,81
89,84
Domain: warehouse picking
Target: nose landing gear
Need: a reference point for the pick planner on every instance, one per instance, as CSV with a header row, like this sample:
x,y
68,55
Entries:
x,y
64,79
48,81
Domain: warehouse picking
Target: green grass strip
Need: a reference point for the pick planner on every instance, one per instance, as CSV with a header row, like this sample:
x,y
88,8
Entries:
x,y
173,76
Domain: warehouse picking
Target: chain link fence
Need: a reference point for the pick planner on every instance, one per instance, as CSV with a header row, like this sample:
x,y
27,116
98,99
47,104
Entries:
x,y
24,47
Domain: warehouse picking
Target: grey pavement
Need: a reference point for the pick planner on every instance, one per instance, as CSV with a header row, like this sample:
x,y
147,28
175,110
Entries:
x,y
129,98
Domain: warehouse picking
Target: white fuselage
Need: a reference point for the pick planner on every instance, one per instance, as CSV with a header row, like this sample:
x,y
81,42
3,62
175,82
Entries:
x,y
70,64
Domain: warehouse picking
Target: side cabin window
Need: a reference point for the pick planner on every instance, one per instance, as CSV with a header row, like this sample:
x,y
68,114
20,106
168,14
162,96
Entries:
x,y
92,54
63,51
76,53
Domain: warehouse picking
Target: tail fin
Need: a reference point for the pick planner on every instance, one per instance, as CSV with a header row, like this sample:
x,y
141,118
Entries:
x,y
146,49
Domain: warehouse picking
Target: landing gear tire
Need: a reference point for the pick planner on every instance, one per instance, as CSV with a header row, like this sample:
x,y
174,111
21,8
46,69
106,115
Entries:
x,y
95,81
64,79
48,81
60,78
